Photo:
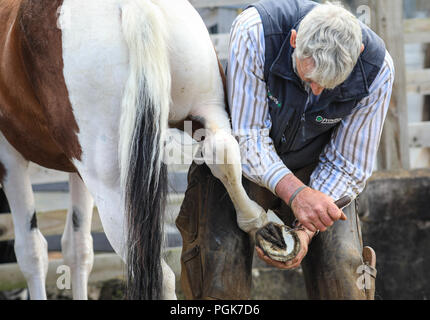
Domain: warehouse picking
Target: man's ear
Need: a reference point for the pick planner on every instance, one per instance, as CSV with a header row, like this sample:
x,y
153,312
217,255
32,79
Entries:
x,y
362,48
293,38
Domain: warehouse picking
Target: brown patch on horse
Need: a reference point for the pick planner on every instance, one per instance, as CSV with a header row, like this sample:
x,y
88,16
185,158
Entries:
x,y
36,116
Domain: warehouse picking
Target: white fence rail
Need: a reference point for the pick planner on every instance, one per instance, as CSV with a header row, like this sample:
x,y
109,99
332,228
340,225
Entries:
x,y
419,134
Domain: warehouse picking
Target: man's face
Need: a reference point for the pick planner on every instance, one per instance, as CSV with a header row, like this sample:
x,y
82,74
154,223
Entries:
x,y
304,67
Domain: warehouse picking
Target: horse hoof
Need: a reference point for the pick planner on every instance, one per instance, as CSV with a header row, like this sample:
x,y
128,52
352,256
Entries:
x,y
279,242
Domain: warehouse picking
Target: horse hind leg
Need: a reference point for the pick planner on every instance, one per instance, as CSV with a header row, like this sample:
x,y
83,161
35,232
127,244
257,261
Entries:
x,y
221,153
77,242
31,247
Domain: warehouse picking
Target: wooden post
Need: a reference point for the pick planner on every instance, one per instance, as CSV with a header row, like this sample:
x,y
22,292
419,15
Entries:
x,y
388,24
424,156
426,105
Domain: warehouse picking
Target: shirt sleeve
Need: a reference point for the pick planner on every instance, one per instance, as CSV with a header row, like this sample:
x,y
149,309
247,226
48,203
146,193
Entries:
x,y
348,160
248,103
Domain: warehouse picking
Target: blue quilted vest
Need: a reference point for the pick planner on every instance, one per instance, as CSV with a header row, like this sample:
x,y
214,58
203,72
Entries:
x,y
300,135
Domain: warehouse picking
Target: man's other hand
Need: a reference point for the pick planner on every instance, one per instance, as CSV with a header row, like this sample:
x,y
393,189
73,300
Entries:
x,y
315,210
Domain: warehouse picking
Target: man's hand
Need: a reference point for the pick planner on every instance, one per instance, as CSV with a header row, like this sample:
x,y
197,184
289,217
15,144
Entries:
x,y
313,209
304,243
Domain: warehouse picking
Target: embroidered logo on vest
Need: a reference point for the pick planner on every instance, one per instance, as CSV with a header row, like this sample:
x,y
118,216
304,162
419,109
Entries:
x,y
322,120
274,99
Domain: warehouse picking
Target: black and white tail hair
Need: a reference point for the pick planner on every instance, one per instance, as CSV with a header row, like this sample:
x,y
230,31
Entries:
x,y
145,109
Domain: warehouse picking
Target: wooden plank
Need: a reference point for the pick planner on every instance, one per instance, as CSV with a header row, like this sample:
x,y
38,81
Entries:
x,y
219,3
394,147
417,30
419,134
418,37
418,81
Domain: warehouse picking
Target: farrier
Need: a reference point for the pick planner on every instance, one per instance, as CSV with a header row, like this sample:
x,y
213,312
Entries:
x,y
308,88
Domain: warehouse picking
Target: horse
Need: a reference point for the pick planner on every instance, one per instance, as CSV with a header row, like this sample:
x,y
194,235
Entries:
x,y
91,88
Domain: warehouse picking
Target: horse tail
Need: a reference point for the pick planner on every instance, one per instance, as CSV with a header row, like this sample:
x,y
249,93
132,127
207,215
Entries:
x,y
144,117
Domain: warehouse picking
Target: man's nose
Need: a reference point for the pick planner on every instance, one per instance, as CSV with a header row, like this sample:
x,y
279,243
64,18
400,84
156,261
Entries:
x,y
316,89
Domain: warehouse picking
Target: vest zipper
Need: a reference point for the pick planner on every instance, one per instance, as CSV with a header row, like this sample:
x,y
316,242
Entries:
x,y
296,129
303,125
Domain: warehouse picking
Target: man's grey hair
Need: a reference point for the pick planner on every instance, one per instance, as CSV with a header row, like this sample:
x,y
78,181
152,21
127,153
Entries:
x,y
331,36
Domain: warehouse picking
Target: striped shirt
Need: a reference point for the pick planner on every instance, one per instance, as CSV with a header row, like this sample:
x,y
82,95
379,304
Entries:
x,y
348,159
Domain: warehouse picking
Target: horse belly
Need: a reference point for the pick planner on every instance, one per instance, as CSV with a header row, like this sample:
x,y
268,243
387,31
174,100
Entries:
x,y
35,145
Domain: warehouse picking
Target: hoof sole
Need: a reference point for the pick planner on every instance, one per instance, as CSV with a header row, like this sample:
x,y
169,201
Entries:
x,y
278,242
